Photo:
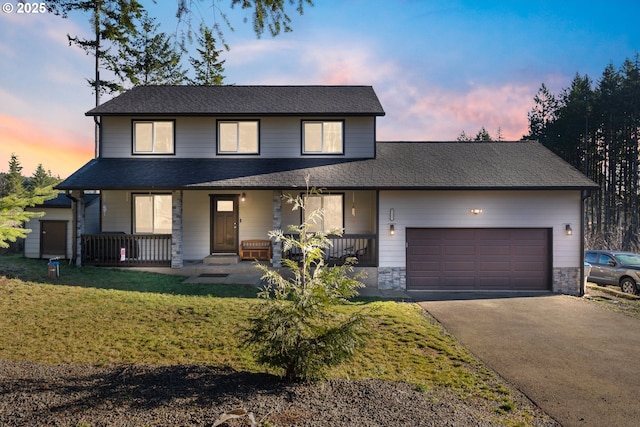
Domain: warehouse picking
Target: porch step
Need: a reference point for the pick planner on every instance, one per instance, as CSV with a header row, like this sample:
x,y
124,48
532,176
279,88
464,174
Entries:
x,y
221,259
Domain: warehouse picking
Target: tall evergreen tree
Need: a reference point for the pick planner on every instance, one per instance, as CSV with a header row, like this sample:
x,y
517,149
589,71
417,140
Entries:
x,y
41,178
483,135
14,183
566,133
113,25
208,69
149,59
542,114
630,97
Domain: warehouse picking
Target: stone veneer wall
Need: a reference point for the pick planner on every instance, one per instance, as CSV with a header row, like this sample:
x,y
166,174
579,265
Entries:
x,y
79,220
177,260
392,278
566,280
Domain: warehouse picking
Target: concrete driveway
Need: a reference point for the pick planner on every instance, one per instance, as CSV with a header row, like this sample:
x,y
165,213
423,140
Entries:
x,y
578,361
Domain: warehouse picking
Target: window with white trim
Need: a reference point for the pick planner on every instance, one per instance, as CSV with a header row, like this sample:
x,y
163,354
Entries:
x,y
332,205
153,137
152,213
320,137
238,137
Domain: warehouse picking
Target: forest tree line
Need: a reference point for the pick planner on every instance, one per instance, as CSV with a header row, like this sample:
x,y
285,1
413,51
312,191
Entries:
x,y
595,126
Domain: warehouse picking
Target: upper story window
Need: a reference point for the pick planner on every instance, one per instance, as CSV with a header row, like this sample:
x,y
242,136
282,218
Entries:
x,y
320,137
153,137
238,137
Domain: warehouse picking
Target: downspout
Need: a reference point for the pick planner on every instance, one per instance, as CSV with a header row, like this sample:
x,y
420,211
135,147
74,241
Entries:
x,y
585,196
98,134
74,231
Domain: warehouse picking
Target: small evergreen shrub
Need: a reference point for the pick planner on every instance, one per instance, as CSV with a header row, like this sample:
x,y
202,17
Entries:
x,y
297,328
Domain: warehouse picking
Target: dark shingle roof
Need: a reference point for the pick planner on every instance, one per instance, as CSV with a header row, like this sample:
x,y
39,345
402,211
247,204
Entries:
x,y
243,100
64,202
60,201
399,165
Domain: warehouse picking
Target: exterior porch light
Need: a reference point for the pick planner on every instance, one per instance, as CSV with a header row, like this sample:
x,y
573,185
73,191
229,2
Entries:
x,y
243,197
392,229
476,211
567,230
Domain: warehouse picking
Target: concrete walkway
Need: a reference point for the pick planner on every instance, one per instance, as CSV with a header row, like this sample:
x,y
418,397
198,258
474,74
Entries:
x,y
578,361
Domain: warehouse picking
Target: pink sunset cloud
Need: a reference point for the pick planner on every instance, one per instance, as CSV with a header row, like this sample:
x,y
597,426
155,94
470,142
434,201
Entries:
x,y
58,151
438,114
418,106
426,111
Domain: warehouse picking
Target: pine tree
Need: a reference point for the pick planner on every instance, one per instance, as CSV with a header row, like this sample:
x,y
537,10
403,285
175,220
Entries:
x,y
463,137
14,183
113,26
41,179
542,114
483,135
149,59
208,69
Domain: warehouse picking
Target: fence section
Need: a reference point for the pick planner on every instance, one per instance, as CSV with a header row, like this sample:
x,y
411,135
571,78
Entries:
x,y
360,246
126,250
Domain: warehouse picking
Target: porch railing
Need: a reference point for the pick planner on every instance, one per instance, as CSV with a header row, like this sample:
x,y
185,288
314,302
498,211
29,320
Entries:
x,y
361,246
126,250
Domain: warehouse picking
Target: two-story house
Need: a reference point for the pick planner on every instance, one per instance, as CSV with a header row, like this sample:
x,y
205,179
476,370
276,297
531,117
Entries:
x,y
187,172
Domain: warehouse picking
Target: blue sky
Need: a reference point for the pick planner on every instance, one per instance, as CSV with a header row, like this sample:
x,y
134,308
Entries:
x,y
438,67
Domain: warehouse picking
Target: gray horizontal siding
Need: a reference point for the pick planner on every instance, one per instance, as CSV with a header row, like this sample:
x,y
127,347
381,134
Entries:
x,y
196,137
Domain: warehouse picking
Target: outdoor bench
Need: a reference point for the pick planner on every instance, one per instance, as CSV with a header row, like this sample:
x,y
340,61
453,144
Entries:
x,y
255,249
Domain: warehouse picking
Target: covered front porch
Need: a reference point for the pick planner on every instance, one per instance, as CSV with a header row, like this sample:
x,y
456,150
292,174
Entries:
x,y
184,227
138,250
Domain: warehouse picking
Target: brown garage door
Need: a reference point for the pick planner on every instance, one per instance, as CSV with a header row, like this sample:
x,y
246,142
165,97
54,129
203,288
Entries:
x,y
478,259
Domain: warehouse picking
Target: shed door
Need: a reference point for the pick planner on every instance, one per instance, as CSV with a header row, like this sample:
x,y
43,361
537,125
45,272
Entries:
x,y
478,259
53,239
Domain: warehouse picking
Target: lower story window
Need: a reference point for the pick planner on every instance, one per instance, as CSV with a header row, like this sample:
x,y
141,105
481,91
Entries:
x,y
333,218
152,213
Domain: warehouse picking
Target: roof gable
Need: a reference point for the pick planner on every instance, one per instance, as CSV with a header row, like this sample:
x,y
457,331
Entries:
x,y
243,100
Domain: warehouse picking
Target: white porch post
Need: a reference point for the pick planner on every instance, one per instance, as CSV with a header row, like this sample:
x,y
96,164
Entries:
x,y
78,213
177,257
277,225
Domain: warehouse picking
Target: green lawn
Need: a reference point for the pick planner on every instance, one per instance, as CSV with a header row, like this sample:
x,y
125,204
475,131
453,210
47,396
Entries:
x,y
104,316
